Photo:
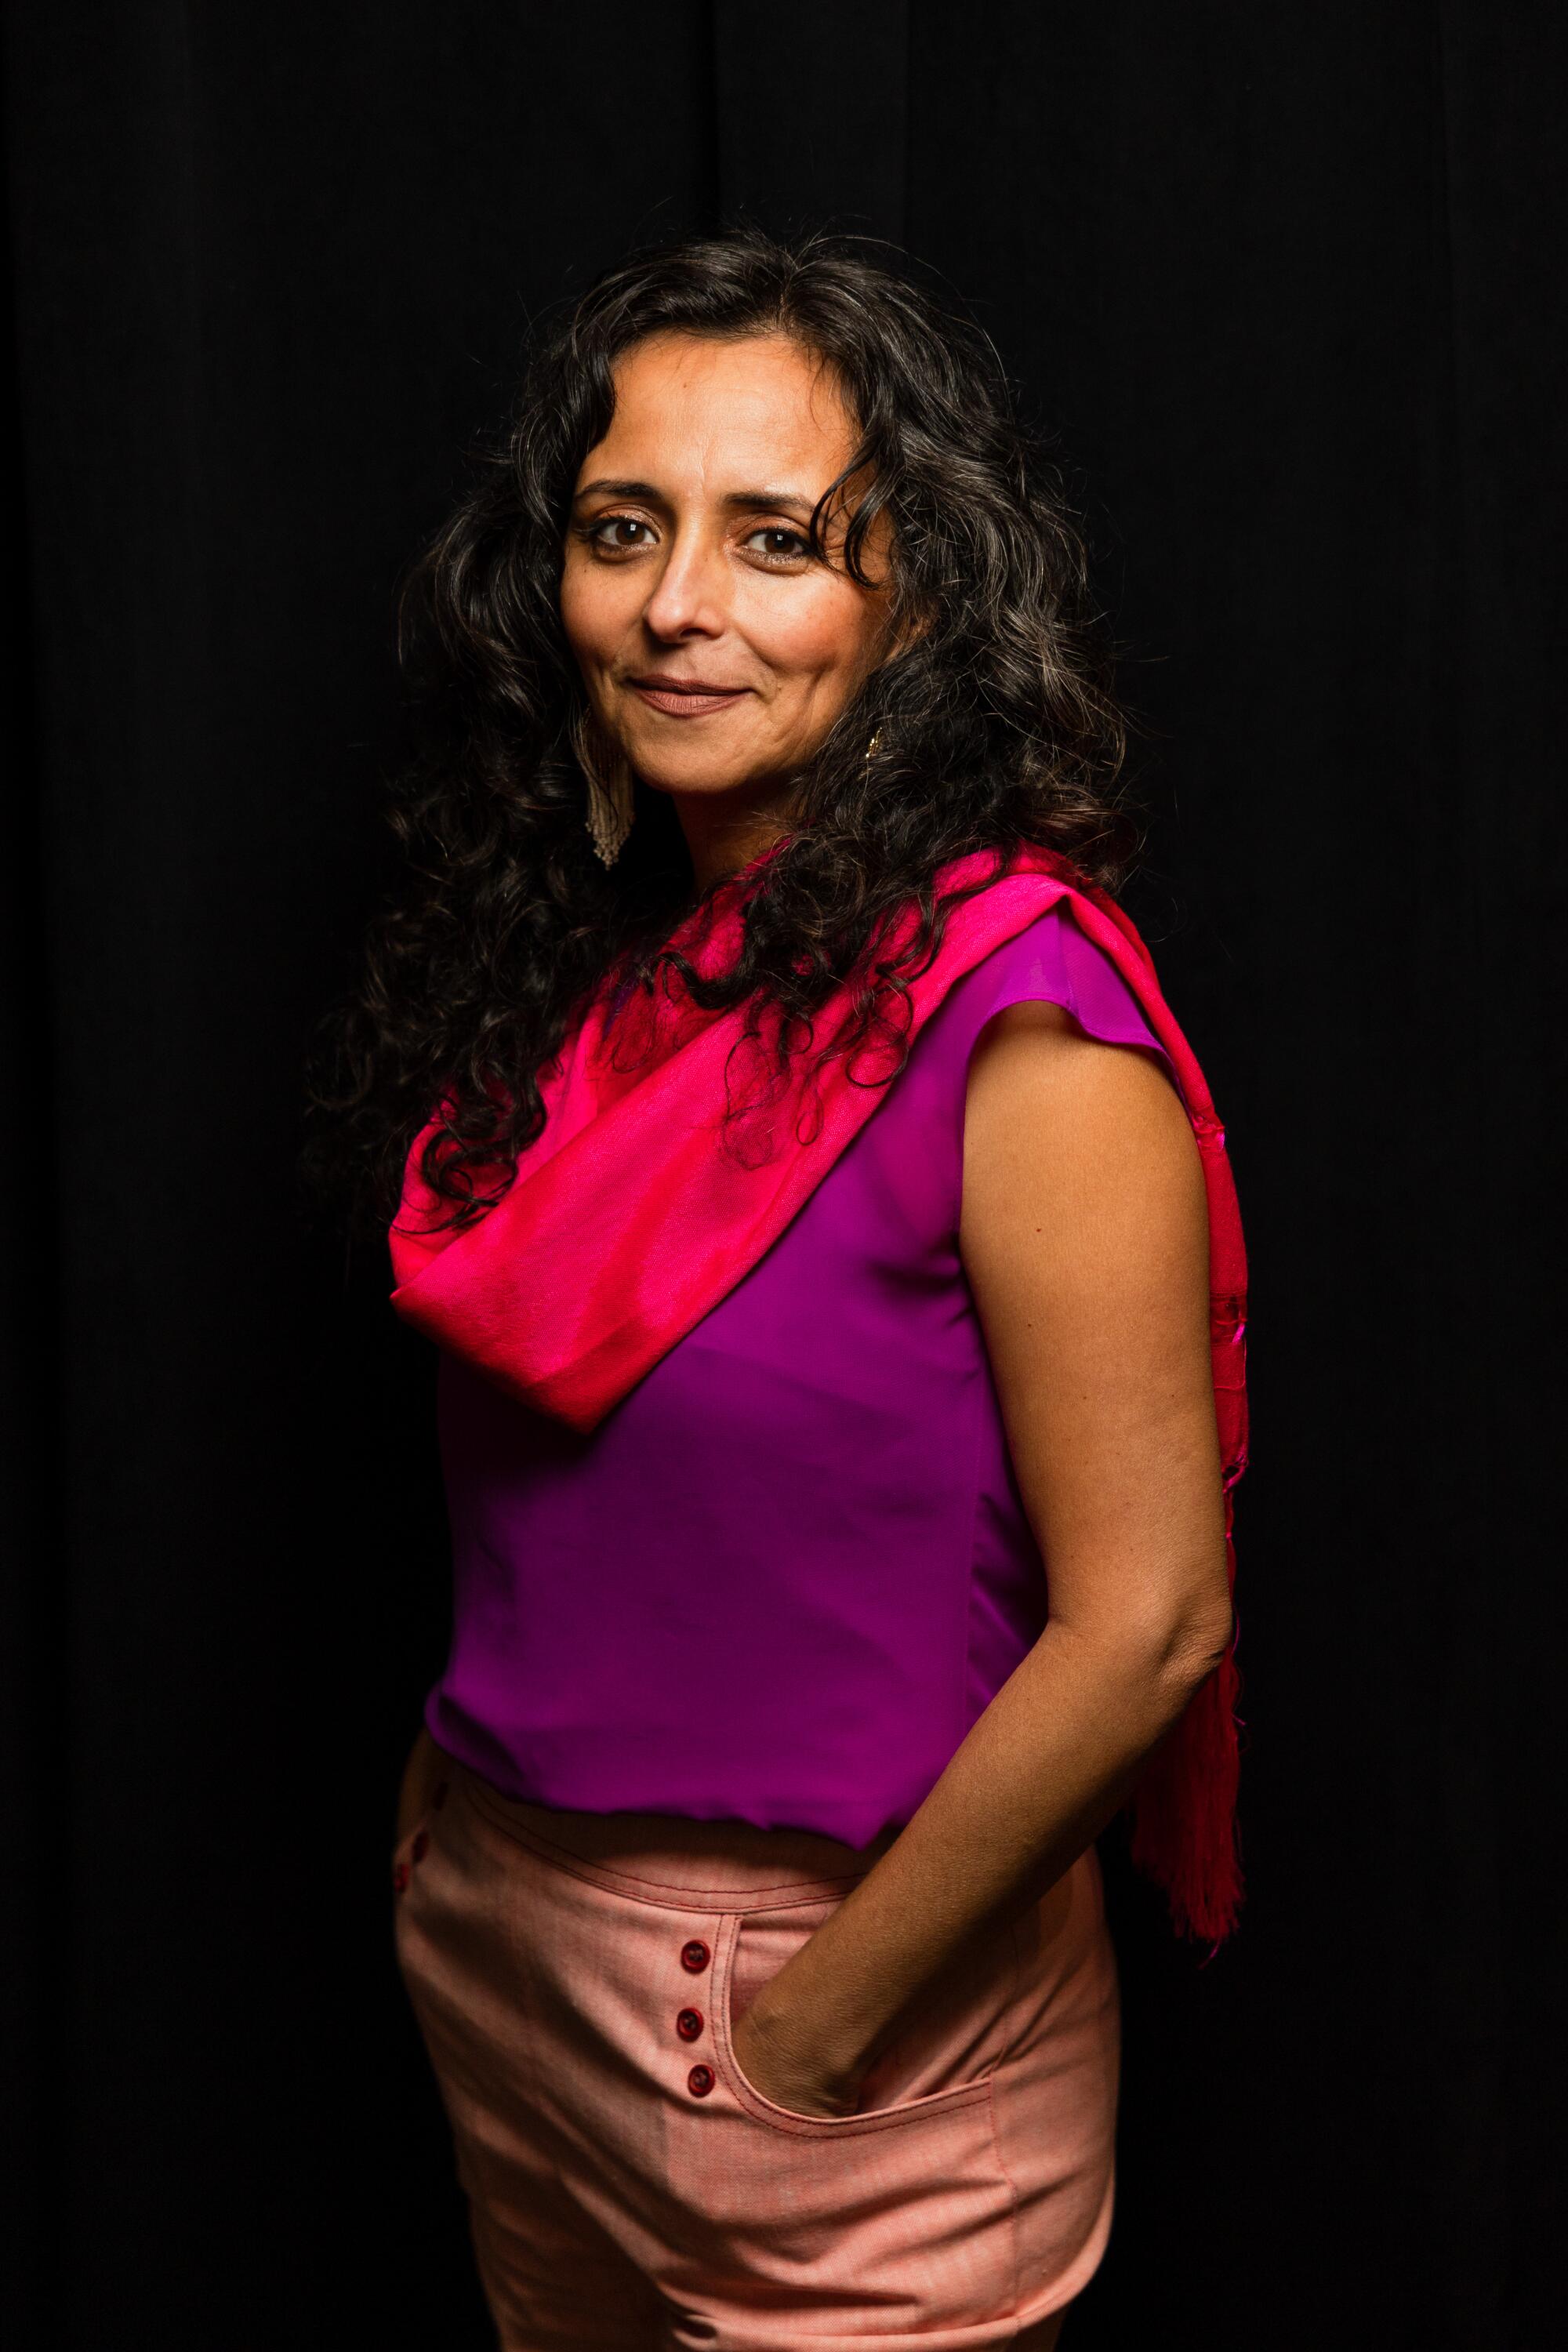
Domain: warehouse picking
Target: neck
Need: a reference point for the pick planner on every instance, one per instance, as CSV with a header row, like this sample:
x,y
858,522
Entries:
x,y
721,837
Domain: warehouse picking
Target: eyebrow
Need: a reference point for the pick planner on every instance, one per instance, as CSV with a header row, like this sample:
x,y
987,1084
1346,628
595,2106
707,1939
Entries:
x,y
743,501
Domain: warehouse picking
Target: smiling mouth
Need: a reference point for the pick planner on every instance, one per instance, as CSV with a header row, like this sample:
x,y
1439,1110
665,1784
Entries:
x,y
686,697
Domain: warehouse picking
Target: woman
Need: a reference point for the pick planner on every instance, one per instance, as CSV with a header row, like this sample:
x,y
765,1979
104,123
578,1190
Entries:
x,y
813,1202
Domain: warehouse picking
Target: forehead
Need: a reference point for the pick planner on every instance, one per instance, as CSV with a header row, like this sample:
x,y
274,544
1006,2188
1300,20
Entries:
x,y
758,412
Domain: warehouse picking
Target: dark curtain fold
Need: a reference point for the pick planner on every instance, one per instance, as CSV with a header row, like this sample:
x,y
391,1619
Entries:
x,y
1283,284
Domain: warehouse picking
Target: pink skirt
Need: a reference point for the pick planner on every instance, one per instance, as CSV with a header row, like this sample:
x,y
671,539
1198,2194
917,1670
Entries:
x,y
576,1977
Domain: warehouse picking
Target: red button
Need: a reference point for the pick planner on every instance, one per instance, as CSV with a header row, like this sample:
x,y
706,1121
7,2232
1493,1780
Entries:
x,y
689,2024
699,2082
420,1846
400,1877
694,1956
439,1795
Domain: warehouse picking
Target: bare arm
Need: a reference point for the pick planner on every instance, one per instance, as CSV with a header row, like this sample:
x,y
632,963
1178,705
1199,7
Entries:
x,y
1084,1238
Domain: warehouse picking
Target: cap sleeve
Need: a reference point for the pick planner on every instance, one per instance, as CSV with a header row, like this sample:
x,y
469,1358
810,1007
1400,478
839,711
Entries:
x,y
1052,959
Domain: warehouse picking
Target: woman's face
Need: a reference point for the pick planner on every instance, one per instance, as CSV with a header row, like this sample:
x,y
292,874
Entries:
x,y
716,649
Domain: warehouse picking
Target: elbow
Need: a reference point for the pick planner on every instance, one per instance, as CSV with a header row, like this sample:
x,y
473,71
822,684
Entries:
x,y
1163,1655
1197,1639
1165,1644
1176,1641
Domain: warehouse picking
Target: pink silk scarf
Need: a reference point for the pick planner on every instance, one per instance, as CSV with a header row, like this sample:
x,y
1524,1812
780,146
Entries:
x,y
636,1210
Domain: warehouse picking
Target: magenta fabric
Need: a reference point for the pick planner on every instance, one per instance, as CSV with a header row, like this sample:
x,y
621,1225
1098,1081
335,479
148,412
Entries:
x,y
677,1149
781,1577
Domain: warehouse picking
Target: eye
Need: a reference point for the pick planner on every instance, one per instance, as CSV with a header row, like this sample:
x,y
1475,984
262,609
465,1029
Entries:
x,y
619,534
776,544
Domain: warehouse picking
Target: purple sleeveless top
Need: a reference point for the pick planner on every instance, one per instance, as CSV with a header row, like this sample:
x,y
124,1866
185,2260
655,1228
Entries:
x,y
788,1570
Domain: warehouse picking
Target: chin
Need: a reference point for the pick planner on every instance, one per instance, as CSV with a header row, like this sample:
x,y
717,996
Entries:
x,y
667,774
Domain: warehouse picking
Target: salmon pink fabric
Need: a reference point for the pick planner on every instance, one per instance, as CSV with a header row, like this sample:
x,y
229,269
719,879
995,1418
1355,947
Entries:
x,y
637,1210
578,1978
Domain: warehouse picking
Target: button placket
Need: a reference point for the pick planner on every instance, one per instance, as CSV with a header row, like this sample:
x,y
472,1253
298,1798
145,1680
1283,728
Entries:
x,y
695,1957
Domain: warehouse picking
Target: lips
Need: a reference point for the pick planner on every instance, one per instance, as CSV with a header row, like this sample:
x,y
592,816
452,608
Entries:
x,y
686,697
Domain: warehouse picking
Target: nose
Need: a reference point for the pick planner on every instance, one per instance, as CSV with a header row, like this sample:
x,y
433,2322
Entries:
x,y
689,597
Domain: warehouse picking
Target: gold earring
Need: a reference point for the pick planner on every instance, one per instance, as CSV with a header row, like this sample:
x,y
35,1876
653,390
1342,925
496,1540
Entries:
x,y
611,803
871,749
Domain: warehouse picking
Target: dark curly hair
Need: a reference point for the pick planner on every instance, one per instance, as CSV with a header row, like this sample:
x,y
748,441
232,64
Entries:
x,y
996,727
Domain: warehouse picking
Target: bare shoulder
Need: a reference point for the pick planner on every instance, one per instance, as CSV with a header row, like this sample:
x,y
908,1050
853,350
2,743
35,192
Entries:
x,y
1036,1079
1074,1138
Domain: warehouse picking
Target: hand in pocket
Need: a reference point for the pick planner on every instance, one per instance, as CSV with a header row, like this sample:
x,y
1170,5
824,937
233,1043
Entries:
x,y
785,2073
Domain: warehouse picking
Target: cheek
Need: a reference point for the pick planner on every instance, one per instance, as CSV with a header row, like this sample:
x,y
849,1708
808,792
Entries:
x,y
591,612
822,638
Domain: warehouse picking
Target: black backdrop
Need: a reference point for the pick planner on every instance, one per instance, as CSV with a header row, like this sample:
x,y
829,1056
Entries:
x,y
1281,279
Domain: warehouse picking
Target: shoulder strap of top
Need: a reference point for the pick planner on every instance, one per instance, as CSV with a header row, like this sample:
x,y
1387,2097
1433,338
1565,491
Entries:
x,y
1052,960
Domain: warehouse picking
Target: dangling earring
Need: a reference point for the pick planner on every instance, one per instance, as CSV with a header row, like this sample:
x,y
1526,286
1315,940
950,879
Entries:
x,y
871,749
610,806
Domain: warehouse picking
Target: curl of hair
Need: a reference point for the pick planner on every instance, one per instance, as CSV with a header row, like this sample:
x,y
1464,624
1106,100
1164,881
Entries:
x,y
994,727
